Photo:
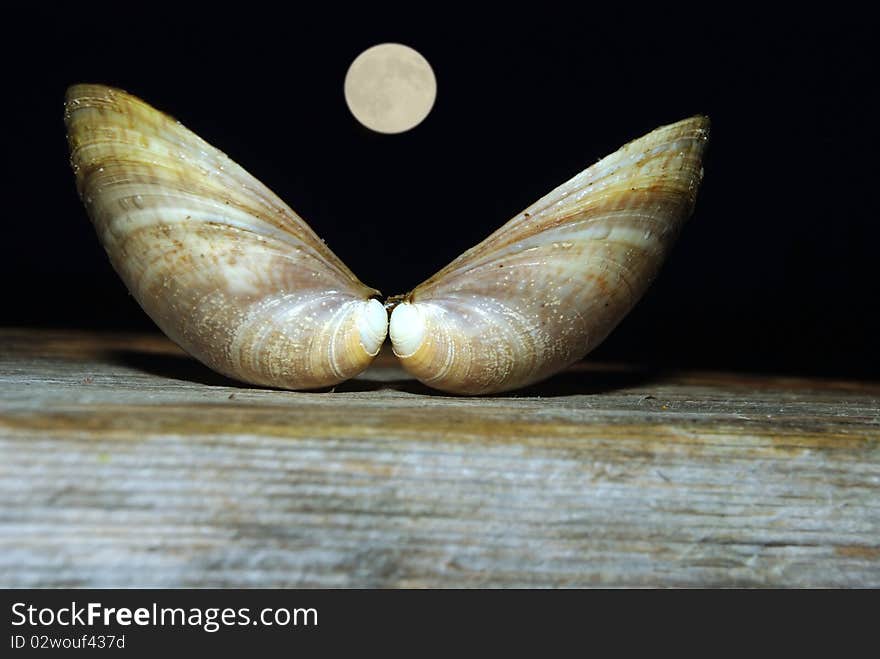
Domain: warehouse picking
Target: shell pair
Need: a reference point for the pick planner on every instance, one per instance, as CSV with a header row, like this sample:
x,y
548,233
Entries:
x,y
243,284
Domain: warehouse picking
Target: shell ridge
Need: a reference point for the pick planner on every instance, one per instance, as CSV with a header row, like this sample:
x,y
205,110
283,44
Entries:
x,y
508,233
227,178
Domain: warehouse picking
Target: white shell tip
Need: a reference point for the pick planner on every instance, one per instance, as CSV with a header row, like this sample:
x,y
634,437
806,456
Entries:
x,y
372,324
407,329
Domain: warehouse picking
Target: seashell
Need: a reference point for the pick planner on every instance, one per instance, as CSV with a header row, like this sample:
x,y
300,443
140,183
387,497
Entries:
x,y
241,282
224,267
551,284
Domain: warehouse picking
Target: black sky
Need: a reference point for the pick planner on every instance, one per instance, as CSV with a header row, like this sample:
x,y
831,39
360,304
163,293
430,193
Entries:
x,y
775,272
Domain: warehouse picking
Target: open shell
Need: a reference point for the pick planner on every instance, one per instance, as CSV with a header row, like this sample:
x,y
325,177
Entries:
x,y
549,286
224,267
242,283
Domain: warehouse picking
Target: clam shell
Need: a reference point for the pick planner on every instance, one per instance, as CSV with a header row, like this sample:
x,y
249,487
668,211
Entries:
x,y
222,265
551,284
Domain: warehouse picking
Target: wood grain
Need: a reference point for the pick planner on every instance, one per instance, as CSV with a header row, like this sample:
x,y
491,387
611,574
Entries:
x,y
125,463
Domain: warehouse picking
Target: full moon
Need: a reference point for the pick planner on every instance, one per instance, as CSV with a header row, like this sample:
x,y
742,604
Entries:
x,y
390,88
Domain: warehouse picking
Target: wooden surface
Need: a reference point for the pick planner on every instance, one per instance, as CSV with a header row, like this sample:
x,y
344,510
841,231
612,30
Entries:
x,y
125,463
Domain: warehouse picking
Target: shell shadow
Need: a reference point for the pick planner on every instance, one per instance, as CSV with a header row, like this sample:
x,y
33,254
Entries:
x,y
174,366
577,381
585,382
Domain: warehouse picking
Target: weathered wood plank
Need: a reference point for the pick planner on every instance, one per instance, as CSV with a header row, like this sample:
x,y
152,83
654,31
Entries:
x,y
125,463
